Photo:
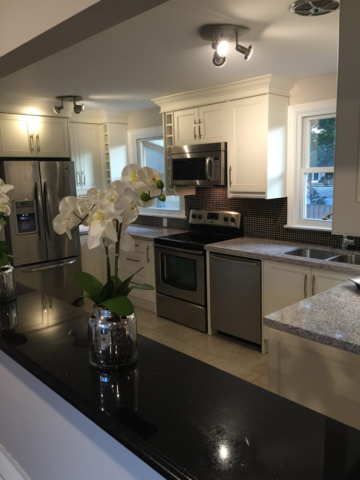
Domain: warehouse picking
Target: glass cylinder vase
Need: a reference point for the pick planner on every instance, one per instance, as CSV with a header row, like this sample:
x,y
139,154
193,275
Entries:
x,y
112,339
7,284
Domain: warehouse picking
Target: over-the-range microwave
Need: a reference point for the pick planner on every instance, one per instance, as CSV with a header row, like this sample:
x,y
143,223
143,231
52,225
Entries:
x,y
198,165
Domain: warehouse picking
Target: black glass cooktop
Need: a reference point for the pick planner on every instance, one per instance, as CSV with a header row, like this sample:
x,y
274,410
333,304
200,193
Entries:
x,y
192,240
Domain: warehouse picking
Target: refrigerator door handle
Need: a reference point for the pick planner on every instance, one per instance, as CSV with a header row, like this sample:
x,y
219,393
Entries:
x,y
47,211
49,267
38,202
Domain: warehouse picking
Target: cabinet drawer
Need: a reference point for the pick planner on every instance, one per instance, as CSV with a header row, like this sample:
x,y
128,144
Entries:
x,y
131,262
142,246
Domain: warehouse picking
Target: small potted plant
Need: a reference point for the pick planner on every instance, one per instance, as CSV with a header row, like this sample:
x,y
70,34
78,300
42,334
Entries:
x,y
108,213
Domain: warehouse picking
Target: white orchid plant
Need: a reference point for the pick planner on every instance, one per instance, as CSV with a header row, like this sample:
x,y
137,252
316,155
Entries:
x,y
108,213
4,213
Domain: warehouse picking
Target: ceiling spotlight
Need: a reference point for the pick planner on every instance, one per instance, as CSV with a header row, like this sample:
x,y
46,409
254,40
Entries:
x,y
69,98
220,36
57,109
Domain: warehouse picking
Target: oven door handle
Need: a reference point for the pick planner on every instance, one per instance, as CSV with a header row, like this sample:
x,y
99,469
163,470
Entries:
x,y
208,164
181,250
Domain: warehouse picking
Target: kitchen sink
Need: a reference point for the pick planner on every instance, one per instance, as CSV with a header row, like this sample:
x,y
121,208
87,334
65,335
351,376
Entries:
x,y
309,253
351,259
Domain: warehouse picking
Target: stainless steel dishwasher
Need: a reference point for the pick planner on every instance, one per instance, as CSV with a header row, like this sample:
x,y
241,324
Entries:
x,y
235,296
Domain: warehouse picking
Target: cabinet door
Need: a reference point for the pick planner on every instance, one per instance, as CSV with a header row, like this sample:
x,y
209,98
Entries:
x,y
89,154
213,120
14,136
323,280
52,138
284,285
247,147
186,127
75,155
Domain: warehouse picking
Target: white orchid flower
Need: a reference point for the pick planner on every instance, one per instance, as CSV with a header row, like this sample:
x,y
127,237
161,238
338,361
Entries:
x,y
70,216
107,200
127,205
120,186
130,175
102,226
148,175
5,187
127,243
93,195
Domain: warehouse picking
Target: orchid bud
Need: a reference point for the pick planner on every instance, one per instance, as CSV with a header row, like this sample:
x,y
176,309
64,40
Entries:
x,y
160,184
144,197
162,198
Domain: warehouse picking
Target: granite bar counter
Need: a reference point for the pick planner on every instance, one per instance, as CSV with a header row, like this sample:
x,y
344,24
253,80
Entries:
x,y
263,249
183,418
143,232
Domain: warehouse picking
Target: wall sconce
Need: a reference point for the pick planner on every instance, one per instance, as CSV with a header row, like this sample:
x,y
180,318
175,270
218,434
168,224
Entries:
x,y
70,98
220,36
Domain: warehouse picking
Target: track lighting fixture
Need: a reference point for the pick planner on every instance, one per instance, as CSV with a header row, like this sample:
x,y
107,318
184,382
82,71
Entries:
x,y
69,98
220,36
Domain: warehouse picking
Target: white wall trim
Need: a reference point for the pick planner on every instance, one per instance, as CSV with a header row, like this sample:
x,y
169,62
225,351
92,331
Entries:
x,y
232,91
294,157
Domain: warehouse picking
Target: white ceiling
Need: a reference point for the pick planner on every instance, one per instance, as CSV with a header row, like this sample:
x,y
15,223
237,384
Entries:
x,y
160,53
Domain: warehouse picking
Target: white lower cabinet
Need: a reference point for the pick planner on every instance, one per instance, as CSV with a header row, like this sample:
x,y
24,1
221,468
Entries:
x,y
285,284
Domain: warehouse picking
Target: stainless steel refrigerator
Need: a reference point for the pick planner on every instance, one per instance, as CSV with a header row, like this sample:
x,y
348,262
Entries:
x,y
43,259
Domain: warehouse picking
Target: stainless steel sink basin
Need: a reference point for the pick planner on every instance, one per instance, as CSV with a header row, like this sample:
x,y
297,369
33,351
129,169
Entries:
x,y
310,253
350,259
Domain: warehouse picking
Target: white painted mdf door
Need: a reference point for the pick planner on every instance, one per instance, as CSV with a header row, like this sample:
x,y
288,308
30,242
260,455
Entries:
x,y
52,138
323,280
15,136
284,285
186,127
89,154
75,155
213,123
247,147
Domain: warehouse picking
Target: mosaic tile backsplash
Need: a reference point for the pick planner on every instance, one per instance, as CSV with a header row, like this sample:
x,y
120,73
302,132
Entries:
x,y
262,218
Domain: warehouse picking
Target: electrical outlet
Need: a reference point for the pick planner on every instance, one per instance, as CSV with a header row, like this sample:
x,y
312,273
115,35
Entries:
x,y
164,222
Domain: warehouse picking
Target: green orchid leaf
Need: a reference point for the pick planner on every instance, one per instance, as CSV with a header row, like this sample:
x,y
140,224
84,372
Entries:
x,y
106,292
4,259
4,248
116,281
139,286
125,284
91,285
120,305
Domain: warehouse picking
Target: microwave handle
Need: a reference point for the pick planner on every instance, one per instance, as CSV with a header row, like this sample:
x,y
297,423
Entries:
x,y
208,163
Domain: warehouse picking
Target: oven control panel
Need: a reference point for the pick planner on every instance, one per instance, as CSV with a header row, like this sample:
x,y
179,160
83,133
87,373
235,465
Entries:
x,y
216,218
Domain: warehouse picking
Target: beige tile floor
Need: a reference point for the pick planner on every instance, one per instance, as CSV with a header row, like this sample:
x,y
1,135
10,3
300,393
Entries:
x,y
225,353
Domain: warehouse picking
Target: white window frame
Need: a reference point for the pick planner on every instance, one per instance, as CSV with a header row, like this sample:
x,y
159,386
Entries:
x,y
295,168
140,134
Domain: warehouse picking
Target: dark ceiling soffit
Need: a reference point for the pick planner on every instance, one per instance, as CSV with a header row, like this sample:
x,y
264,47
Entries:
x,y
91,21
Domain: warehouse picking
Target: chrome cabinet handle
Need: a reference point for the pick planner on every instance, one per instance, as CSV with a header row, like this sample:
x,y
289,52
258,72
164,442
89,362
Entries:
x,y
44,302
38,142
195,124
40,269
230,181
78,181
136,245
200,135
82,173
147,254
32,143
132,260
313,285
305,286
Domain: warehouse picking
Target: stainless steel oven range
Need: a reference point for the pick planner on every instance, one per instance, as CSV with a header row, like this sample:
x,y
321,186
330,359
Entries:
x,y
181,267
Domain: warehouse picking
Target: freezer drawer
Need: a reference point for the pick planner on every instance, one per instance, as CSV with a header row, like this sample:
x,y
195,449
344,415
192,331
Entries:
x,y
55,279
235,296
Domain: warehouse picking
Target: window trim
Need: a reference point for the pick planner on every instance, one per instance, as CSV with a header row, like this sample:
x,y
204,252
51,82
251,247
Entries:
x,y
151,132
297,116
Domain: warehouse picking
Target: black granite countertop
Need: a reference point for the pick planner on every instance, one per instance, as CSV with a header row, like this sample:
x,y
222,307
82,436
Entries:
x,y
186,419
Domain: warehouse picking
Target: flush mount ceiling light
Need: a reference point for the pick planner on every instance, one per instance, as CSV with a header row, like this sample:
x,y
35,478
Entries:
x,y
220,36
69,98
314,8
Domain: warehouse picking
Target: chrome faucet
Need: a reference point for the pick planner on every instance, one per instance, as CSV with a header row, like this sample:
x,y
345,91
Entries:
x,y
347,242
327,216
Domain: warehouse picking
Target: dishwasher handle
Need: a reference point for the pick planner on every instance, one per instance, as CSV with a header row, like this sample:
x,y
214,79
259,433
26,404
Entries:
x,y
241,261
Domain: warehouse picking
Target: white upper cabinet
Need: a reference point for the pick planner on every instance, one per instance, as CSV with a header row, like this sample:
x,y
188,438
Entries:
x,y
85,152
14,136
52,138
206,124
257,147
346,208
33,136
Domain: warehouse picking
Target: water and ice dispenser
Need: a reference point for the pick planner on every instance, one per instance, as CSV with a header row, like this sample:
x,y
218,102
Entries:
x,y
25,215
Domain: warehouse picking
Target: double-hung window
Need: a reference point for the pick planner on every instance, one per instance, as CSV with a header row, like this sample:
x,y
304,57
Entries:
x,y
311,165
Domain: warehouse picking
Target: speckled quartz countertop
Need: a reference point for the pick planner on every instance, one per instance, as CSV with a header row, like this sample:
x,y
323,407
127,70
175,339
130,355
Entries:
x,y
263,249
331,317
142,232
